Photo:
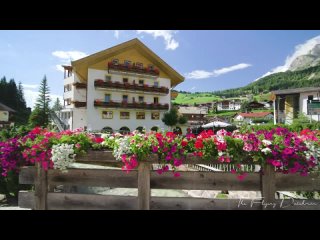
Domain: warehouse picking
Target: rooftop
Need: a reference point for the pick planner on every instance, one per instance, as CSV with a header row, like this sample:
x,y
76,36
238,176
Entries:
x,y
297,90
192,110
254,114
5,108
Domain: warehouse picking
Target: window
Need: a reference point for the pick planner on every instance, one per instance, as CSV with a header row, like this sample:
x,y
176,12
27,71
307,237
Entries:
x,y
67,87
151,67
107,98
124,130
107,130
67,101
139,65
127,63
154,128
156,100
140,129
125,80
141,82
125,98
156,84
141,115
124,115
108,78
141,99
107,114
155,116
310,97
115,61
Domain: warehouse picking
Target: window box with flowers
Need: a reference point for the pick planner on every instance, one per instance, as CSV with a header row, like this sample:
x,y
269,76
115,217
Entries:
x,y
99,82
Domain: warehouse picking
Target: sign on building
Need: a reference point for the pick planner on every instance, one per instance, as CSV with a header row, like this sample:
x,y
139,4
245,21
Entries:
x,y
313,107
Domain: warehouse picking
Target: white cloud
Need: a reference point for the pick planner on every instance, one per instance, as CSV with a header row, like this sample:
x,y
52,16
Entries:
x,y
193,88
116,34
69,55
300,49
201,74
66,57
32,86
167,35
31,97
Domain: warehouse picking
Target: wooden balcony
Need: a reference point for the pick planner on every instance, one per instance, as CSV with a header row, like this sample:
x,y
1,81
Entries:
x,y
99,83
79,85
78,104
132,68
132,105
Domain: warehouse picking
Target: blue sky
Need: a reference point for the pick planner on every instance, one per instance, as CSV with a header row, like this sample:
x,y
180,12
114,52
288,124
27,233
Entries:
x,y
210,60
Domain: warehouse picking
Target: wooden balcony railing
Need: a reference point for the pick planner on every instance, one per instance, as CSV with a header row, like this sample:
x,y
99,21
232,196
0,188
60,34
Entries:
x,y
128,86
80,85
79,104
142,105
133,68
145,179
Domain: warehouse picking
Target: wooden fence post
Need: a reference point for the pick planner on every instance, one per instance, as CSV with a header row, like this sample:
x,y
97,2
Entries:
x,y
144,191
268,186
41,188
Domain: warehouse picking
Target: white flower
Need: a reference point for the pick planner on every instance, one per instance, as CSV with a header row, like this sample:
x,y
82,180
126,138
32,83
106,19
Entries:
x,y
62,156
266,150
266,142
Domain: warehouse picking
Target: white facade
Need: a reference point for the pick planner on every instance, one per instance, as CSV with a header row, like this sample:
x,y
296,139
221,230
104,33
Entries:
x,y
228,105
92,118
95,120
241,118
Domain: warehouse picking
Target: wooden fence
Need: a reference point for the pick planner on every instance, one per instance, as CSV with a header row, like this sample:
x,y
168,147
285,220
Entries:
x,y
145,179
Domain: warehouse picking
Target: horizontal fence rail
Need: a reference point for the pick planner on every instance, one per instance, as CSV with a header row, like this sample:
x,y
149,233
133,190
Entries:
x,y
145,179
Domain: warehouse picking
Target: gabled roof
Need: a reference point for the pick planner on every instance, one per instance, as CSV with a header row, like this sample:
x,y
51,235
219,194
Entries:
x,y
192,110
296,90
254,114
5,108
176,78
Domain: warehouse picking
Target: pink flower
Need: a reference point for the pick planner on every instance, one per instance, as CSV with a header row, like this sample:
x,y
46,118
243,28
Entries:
x,y
242,176
159,171
176,174
155,149
78,145
276,163
233,171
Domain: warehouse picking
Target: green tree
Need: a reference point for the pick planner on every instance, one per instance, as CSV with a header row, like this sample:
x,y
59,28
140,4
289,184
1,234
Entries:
x,y
57,106
182,120
245,107
40,115
170,118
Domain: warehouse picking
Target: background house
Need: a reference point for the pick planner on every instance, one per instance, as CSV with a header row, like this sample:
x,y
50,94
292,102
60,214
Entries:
x,y
290,102
250,117
228,105
6,116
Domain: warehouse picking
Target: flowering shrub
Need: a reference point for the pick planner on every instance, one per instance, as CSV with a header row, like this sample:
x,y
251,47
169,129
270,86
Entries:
x,y
288,152
62,156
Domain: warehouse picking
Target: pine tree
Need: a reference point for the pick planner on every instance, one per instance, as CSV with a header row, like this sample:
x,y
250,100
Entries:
x,y
22,101
57,106
40,115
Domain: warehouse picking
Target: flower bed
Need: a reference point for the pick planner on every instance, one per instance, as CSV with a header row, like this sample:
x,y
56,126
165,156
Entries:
x,y
288,152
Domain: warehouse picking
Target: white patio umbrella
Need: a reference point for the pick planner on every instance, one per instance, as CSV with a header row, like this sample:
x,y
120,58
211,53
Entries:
x,y
216,124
